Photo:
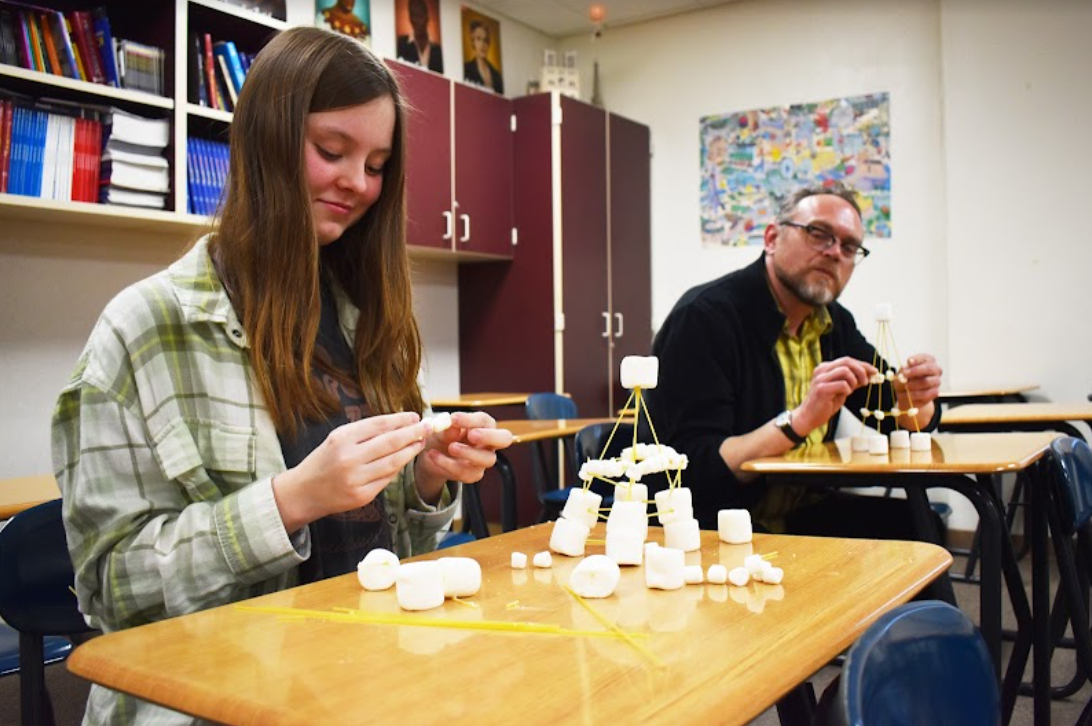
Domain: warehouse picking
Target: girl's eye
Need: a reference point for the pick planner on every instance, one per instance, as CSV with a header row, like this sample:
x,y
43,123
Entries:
x,y
374,170
328,155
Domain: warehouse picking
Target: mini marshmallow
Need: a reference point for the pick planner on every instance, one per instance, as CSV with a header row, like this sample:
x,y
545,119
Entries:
x,y
682,534
877,445
734,526
876,378
859,443
602,469
865,413
439,422
896,411
640,371
879,415
462,576
739,576
921,442
378,569
519,561
883,312
595,576
754,564
543,559
912,411
890,374
773,575
664,568
625,546
717,574
582,506
673,504
693,575
631,493
900,439
420,585
568,538
902,378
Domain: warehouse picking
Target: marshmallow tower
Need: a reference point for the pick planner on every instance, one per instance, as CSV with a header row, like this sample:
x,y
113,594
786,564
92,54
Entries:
x,y
885,351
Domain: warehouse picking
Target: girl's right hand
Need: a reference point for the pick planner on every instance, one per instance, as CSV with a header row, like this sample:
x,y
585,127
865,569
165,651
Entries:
x,y
349,469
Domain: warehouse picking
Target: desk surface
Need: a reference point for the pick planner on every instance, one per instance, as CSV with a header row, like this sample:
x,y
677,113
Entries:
x,y
525,430
726,653
481,400
25,492
1011,413
951,453
994,392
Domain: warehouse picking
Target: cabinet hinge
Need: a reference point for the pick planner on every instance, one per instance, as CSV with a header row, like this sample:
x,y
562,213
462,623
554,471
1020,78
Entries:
x,y
514,123
515,236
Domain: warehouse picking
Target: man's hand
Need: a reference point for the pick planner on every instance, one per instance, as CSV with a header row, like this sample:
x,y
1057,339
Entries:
x,y
922,386
832,382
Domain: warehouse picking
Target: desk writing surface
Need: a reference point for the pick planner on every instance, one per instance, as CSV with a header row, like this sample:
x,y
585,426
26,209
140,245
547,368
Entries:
x,y
1006,413
25,492
525,430
989,391
988,453
725,654
480,400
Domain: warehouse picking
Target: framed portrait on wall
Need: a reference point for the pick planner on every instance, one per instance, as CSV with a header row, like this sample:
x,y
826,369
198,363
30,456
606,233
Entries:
x,y
417,28
482,50
351,17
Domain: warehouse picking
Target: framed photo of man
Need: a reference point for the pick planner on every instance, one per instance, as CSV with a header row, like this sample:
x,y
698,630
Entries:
x,y
482,50
351,17
417,29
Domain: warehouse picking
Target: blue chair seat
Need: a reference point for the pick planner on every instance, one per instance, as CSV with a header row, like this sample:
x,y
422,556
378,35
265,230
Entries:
x,y
56,649
451,539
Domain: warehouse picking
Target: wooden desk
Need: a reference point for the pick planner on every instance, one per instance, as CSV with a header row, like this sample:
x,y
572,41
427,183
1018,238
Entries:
x,y
480,400
25,492
952,462
526,430
997,394
1018,416
727,653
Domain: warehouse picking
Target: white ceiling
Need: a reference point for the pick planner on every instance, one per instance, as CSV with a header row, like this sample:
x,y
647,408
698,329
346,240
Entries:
x,y
561,18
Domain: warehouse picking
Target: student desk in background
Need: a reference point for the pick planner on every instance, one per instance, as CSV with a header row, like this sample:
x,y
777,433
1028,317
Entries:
x,y
996,394
25,492
963,462
711,653
1045,416
473,401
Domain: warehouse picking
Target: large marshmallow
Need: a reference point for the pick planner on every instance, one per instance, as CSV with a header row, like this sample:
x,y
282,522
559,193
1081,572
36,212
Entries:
x,y
569,537
625,546
420,585
734,526
664,568
859,443
773,575
673,504
640,371
378,569
900,439
883,312
631,493
462,576
595,576
682,534
629,515
877,445
921,442
582,506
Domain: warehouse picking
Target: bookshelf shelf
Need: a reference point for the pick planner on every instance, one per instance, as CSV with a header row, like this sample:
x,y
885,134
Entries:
x,y
240,12
195,109
91,89
35,209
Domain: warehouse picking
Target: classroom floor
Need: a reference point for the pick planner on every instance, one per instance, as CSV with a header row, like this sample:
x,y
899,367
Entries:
x,y
70,693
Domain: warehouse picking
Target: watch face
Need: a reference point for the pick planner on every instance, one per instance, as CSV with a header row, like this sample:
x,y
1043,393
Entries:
x,y
783,419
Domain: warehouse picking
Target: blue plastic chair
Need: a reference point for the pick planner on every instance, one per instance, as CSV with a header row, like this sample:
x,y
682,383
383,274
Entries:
x,y
923,663
590,443
36,599
544,454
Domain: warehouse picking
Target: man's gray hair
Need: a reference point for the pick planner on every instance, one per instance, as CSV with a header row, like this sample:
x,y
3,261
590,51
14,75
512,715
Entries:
x,y
837,189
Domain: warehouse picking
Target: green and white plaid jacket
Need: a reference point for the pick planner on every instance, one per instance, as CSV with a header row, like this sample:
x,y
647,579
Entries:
x,y
165,455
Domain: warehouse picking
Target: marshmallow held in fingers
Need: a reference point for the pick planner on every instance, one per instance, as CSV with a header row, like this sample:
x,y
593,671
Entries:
x,y
595,576
462,576
569,537
378,569
734,526
640,371
439,422
420,585
582,506
664,568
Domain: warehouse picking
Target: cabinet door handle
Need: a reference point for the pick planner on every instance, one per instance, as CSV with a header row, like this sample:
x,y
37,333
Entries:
x,y
606,324
466,227
448,219
621,323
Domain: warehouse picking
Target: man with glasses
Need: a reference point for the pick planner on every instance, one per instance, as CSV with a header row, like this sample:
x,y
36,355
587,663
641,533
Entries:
x,y
763,359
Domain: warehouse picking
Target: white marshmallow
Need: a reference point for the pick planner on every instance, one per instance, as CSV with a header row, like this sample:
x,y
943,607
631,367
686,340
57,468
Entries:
x,y
568,538
912,411
859,443
693,575
773,575
582,506
378,570
519,561
628,515
664,568
739,576
865,413
883,313
673,504
420,585
595,576
900,439
462,576
631,493
543,559
890,374
650,546
602,469
877,445
717,574
754,564
896,411
640,371
625,546
439,422
876,378
880,415
682,534
921,442
734,526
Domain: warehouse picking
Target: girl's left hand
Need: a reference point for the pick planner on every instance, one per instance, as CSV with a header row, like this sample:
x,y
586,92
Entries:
x,y
464,451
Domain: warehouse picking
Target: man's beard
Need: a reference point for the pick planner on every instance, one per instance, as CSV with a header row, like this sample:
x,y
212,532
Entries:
x,y
815,294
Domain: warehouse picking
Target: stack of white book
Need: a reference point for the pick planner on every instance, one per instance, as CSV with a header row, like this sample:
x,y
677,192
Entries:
x,y
135,171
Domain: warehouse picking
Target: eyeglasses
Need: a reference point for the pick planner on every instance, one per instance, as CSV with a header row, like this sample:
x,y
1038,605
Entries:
x,y
822,240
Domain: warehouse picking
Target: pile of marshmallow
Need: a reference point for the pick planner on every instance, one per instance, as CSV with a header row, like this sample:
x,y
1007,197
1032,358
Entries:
x,y
420,585
901,439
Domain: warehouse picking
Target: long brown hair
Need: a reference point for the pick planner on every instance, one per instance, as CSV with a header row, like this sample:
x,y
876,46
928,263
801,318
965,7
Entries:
x,y
267,250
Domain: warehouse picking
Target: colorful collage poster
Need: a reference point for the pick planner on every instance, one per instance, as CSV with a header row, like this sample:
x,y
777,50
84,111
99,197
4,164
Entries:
x,y
752,160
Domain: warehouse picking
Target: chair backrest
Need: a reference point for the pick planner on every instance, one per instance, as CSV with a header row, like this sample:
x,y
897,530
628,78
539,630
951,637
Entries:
x,y
1072,461
550,405
36,574
544,453
921,663
589,444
